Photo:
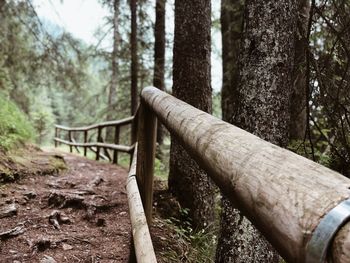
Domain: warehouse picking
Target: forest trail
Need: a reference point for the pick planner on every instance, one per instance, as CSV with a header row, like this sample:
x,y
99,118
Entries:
x,y
79,215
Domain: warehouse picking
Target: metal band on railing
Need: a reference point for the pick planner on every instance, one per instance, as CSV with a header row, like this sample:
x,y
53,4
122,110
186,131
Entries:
x,y
316,251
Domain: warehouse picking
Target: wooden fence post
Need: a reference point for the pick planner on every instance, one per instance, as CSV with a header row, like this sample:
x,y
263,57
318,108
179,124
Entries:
x,y
85,141
147,133
70,140
99,137
134,126
116,141
56,136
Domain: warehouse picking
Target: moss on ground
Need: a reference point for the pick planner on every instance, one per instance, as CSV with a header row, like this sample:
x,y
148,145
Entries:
x,y
26,161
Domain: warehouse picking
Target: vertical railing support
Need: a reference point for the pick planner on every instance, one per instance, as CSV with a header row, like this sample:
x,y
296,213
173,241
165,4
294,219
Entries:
x,y
99,139
116,141
134,126
85,141
147,133
70,140
56,136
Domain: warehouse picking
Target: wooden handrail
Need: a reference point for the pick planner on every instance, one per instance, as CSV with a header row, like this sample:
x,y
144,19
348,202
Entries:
x,y
283,194
286,196
95,126
95,151
121,148
137,199
100,142
140,231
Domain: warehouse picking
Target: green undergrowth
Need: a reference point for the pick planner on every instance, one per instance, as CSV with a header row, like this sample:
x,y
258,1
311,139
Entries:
x,y
191,245
15,128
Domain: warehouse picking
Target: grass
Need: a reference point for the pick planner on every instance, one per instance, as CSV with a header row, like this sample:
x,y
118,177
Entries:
x,y
195,246
15,128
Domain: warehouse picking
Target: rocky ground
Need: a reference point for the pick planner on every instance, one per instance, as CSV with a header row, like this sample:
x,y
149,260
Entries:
x,y
78,215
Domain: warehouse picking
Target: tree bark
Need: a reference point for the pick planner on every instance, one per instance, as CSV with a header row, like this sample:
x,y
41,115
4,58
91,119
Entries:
x,y
112,94
159,54
134,59
298,113
259,104
231,32
191,83
266,64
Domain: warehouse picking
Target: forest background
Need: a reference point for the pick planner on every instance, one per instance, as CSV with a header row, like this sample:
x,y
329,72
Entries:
x,y
53,77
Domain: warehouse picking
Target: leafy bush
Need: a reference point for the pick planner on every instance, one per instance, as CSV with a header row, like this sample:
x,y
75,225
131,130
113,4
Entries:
x,y
14,125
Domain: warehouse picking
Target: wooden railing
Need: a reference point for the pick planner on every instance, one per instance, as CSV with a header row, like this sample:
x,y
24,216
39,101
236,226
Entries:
x,y
99,142
301,207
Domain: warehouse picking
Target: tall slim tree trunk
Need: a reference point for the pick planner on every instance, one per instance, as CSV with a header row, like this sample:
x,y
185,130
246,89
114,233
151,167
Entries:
x,y
134,62
263,101
2,4
112,94
159,54
231,32
191,78
299,97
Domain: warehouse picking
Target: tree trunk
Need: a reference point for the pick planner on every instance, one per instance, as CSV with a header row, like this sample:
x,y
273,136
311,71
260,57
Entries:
x,y
159,54
298,117
134,63
231,31
191,78
112,94
2,4
260,105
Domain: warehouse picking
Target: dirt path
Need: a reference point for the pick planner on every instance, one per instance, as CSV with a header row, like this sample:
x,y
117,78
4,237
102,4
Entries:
x,y
80,215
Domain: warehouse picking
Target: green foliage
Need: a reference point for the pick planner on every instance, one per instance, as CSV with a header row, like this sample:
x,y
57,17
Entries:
x,y
14,125
321,152
217,105
329,89
160,169
197,246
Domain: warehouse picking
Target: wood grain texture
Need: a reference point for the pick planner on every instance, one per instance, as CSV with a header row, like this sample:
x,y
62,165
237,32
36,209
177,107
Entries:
x,y
283,194
147,132
140,231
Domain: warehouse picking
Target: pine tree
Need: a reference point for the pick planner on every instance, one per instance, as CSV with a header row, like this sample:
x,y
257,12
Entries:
x,y
261,106
191,83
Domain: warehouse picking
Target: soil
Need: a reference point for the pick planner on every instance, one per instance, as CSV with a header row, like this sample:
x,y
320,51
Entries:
x,y
78,215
